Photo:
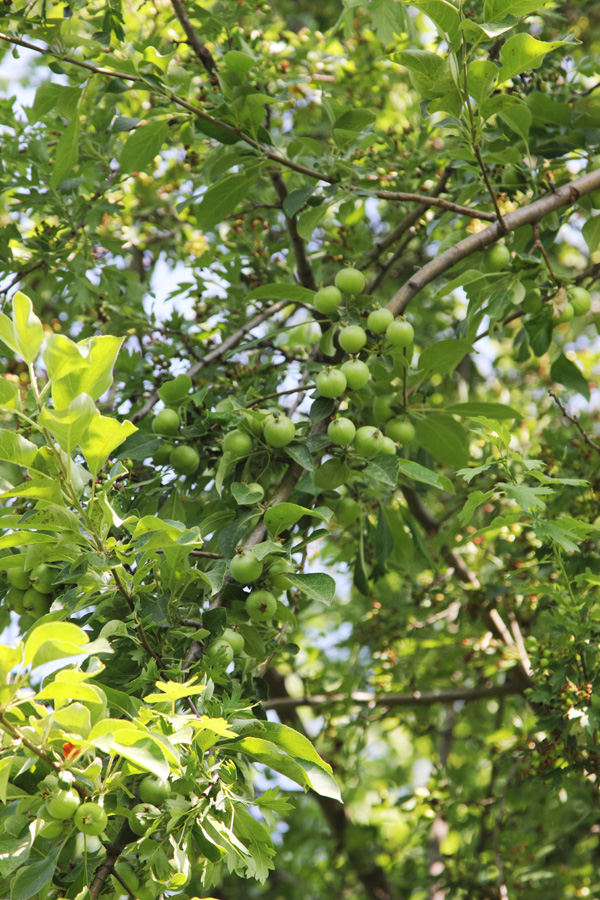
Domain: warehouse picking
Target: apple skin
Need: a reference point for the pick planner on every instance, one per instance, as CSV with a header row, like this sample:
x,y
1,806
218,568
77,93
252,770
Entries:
x,y
261,605
245,567
350,281
91,819
141,818
154,789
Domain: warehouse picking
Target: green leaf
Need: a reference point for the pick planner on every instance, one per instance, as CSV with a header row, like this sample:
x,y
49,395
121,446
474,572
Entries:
x,y
68,426
244,495
473,502
496,411
317,586
300,454
57,640
496,10
383,469
443,356
309,219
29,333
103,436
566,372
294,743
443,14
591,233
67,154
16,449
281,517
9,395
238,62
529,499
295,293
80,368
539,332
444,438
221,199
174,392
523,52
424,475
266,752
332,474
481,74
296,199
33,876
321,781
141,147
356,120
516,114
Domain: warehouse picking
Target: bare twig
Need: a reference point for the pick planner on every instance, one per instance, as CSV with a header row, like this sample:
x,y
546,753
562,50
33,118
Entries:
x,y
575,422
394,701
537,245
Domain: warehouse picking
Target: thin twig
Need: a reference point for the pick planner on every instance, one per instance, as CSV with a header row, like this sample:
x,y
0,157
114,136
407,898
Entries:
x,y
575,422
537,245
415,698
305,273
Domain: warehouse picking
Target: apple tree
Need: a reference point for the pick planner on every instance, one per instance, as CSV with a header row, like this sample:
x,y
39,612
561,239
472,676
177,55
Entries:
x,y
299,446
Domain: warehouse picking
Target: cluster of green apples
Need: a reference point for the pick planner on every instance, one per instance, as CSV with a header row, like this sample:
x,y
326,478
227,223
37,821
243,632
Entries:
x,y
266,579
579,301
30,592
63,807
334,382
183,458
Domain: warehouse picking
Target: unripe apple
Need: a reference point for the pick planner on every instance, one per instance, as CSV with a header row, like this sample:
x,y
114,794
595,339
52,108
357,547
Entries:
x,y
245,567
328,299
261,605
580,300
400,430
379,319
346,511
352,338
341,431
166,422
400,333
357,373
496,258
277,572
368,441
351,281
220,652
389,447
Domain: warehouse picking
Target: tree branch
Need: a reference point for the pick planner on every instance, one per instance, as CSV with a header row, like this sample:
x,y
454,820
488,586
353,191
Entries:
x,y
415,698
200,49
576,423
526,215
305,272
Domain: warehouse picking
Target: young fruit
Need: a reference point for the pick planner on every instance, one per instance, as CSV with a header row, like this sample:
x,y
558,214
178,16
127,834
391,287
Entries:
x,y
357,373
162,455
42,577
166,422
368,441
220,652
185,460
566,315
63,804
261,605
328,299
532,302
18,578
35,602
400,430
245,567
91,819
400,333
351,281
237,442
383,408
352,338
512,177
388,449
379,319
496,258
346,511
141,818
580,300
341,431
277,574
14,600
278,430
331,382
154,790
234,639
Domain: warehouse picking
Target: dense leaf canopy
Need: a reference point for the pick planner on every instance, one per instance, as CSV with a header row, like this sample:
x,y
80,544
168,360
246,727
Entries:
x,y
299,449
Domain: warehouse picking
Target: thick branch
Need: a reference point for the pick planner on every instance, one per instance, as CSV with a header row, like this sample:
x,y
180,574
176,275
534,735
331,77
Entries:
x,y
415,698
113,851
201,51
526,215
305,272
